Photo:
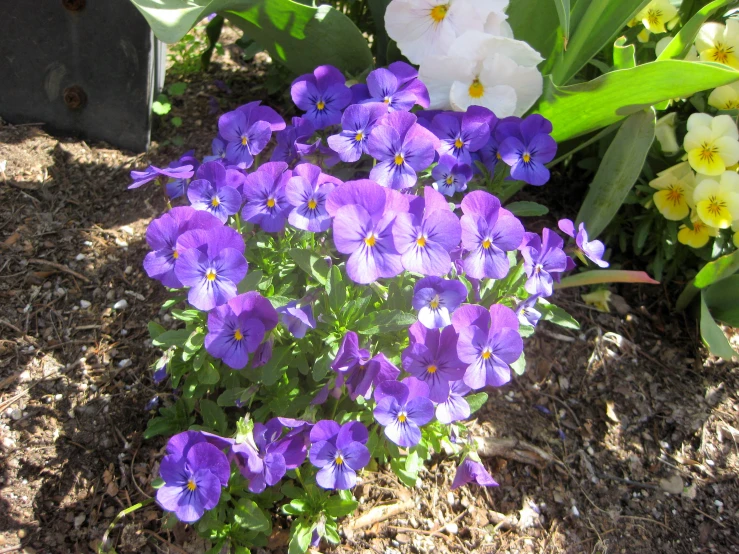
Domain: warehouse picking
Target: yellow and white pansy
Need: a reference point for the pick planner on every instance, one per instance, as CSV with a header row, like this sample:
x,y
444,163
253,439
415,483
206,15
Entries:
x,y
725,98
698,236
717,200
656,15
719,43
674,196
665,133
498,73
712,143
424,28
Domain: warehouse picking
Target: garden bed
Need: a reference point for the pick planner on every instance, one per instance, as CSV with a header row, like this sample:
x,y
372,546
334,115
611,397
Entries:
x,y
638,426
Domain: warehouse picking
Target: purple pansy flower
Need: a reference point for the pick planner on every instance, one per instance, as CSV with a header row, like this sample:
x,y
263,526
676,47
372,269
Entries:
x,y
397,87
427,234
593,250
262,354
543,260
307,191
450,176
285,149
488,232
212,263
528,150
500,130
322,95
402,408
140,178
363,377
470,471
218,148
162,234
247,131
435,299
434,359
357,123
216,190
401,147
266,203
527,312
317,153
349,354
339,452
194,471
297,318
460,134
363,230
489,342
236,329
454,407
177,187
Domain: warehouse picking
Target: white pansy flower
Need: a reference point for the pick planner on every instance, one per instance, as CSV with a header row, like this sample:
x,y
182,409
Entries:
x,y
498,25
719,43
665,133
498,73
725,98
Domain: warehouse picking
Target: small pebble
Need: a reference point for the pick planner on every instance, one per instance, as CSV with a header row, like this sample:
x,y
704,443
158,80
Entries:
x,y
122,243
84,304
128,270
127,229
79,257
452,528
450,498
15,414
575,511
124,363
121,304
79,520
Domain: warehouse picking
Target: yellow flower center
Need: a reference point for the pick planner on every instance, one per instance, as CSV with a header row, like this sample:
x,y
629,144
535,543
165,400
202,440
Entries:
x,y
654,16
487,243
721,53
370,240
215,202
435,302
238,335
538,268
731,104
486,354
271,202
497,155
312,204
421,241
715,206
675,195
449,180
432,369
698,227
244,140
707,152
438,13
459,143
210,275
321,105
339,460
526,157
175,254
359,136
191,486
476,89
386,100
402,417
399,159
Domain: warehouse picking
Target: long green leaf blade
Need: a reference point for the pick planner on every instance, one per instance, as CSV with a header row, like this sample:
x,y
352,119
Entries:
x,y
715,271
605,276
713,336
680,45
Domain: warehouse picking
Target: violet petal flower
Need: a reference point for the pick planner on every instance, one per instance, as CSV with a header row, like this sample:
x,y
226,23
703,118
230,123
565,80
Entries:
x,y
357,124
285,149
402,148
307,191
527,312
436,299
349,355
247,131
339,452
460,134
470,471
140,178
450,176
591,249
377,200
528,152
322,95
364,377
454,407
221,202
489,346
266,202
434,361
402,408
543,260
488,233
237,328
297,319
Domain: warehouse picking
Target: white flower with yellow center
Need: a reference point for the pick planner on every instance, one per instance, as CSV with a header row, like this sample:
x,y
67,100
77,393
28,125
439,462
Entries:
x,y
665,133
656,16
674,196
719,43
698,236
717,201
725,98
712,143
498,73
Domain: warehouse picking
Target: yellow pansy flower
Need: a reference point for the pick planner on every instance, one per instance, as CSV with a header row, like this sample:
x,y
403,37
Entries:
x,y
674,196
656,15
717,201
698,236
725,98
719,43
712,143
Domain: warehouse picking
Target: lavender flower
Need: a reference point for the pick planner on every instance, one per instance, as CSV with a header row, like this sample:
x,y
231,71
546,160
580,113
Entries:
x,y
212,263
454,407
162,234
450,176
218,148
364,377
212,192
543,260
322,95
460,134
402,408
529,150
357,124
434,360
266,202
307,191
398,88
401,148
237,329
349,354
592,250
286,149
194,471
317,153
247,131
488,232
527,312
436,299
297,318
140,178
339,452
470,471
177,187
489,342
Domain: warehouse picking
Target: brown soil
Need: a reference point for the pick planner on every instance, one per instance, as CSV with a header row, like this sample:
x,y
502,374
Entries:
x,y
640,427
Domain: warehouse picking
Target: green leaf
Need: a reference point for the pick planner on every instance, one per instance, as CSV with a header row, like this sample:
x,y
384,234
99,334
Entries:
x,y
385,321
617,173
336,290
579,109
624,55
272,370
715,271
476,401
172,338
540,31
155,329
519,366
563,12
722,299
556,315
598,23
250,282
679,46
339,507
525,209
208,374
161,106
176,121
602,276
187,315
213,32
712,335
248,515
213,416
301,533
230,396
177,89
377,7
311,263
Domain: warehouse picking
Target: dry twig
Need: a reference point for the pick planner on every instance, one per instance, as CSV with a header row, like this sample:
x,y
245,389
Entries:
x,y
60,267
514,449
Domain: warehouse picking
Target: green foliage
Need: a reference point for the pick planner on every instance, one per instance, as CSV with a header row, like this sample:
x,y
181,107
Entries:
x,y
712,335
681,43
